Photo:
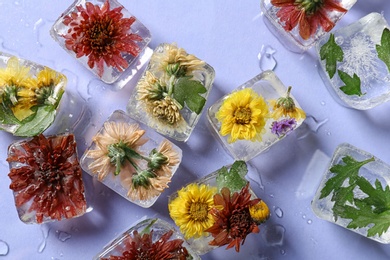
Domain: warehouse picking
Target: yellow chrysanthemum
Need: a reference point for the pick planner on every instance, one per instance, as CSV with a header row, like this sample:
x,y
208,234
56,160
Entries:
x,y
15,74
243,115
15,85
259,212
285,106
190,210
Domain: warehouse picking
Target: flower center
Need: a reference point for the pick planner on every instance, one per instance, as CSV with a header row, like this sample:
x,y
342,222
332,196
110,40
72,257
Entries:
x,y
100,34
240,223
310,6
199,211
243,115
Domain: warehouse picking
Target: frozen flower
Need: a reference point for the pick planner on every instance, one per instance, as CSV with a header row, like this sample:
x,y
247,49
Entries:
x,y
150,88
167,111
309,15
144,185
285,106
190,209
45,86
101,34
16,89
108,155
141,246
175,61
166,149
232,218
283,127
243,115
47,177
259,212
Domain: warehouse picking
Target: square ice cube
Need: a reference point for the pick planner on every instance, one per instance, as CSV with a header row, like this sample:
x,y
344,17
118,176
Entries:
x,y
255,116
354,193
46,178
148,235
131,159
171,95
104,36
351,66
299,24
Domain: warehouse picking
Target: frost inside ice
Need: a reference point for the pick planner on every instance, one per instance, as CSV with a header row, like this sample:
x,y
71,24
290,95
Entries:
x,y
361,58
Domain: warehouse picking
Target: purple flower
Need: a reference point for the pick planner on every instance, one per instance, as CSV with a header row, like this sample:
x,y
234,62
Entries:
x,y
283,127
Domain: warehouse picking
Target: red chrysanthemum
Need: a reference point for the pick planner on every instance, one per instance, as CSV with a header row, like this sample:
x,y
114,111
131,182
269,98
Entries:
x,y
233,221
309,15
142,247
46,173
101,34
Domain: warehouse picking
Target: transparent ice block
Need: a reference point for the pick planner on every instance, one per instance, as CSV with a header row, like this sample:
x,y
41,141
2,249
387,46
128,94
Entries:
x,y
358,42
120,63
268,86
373,172
46,178
143,110
213,181
30,95
291,38
126,241
149,141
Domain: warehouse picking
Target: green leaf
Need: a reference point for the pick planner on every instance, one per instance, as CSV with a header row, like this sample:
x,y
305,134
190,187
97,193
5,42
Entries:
x,y
6,116
384,48
187,91
234,179
352,85
372,211
350,169
331,53
35,125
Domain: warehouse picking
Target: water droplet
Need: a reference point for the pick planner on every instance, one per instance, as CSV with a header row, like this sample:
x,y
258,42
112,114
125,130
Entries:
x,y
266,58
282,251
278,211
310,125
323,103
339,40
328,133
63,236
70,115
274,235
309,221
303,216
45,232
4,248
272,195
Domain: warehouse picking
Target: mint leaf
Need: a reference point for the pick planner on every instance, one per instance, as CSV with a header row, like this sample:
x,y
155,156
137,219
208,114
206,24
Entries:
x,y
372,211
234,179
331,53
352,84
187,91
35,125
384,48
350,169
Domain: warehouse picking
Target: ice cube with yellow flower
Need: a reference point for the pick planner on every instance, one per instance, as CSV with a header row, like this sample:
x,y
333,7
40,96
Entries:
x,y
255,116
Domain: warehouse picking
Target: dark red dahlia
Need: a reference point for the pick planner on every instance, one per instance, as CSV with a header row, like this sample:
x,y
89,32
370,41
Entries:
x,y
233,221
142,247
101,34
46,177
